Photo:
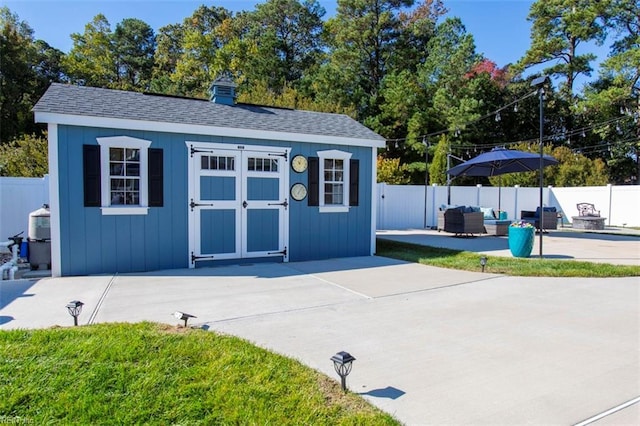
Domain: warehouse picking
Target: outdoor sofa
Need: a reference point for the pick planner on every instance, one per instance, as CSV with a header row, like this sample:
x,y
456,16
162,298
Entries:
x,y
549,217
461,221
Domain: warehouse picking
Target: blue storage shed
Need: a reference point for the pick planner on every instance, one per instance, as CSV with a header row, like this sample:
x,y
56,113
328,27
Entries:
x,y
143,182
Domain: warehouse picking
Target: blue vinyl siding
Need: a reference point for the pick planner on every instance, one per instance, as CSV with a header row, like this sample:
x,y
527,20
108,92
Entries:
x,y
314,235
217,188
92,243
262,230
262,189
218,231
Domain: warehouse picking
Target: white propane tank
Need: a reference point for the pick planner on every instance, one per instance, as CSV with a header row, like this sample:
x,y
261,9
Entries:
x,y
39,224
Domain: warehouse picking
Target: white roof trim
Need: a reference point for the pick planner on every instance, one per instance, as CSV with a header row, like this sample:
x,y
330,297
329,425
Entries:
x,y
155,126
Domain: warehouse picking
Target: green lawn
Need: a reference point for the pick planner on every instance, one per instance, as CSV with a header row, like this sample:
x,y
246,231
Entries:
x,y
156,374
527,267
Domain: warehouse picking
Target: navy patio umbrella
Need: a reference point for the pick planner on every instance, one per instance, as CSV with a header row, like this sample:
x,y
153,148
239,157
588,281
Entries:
x,y
499,161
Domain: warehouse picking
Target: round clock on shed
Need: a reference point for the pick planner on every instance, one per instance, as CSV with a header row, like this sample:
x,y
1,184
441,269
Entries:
x,y
298,192
299,163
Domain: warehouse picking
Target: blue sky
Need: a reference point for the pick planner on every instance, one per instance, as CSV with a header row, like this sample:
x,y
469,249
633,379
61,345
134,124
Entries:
x,y
500,27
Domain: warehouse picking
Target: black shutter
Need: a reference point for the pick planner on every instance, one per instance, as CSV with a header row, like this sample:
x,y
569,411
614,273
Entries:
x,y
314,181
354,181
91,175
156,178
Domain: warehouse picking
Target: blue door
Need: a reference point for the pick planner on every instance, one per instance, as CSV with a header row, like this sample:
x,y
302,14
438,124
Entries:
x,y
238,202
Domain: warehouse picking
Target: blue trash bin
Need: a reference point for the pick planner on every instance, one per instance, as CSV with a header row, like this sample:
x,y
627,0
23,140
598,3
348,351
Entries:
x,y
24,250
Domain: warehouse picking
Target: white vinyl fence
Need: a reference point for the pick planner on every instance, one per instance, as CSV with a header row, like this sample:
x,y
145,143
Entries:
x,y
409,207
398,206
18,198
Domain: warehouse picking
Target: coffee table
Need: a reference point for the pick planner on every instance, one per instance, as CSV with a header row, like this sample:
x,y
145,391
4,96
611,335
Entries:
x,y
497,227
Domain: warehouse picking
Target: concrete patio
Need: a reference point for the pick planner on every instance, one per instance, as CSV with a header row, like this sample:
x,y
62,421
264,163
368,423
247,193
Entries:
x,y
613,245
433,346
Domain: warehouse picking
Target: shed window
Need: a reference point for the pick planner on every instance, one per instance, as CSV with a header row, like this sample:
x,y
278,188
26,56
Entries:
x,y
124,166
255,164
124,176
334,181
216,162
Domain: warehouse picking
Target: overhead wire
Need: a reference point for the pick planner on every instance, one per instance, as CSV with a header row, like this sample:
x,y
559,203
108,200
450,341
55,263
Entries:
x,y
548,138
458,129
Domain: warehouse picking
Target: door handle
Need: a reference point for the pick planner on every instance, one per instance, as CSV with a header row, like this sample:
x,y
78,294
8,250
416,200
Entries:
x,y
244,204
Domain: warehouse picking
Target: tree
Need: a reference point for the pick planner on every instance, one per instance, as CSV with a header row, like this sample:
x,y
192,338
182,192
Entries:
x,y
286,35
404,101
438,168
28,66
559,28
122,59
415,28
25,156
286,97
198,65
433,98
615,96
577,170
134,44
165,58
401,96
443,99
489,84
390,171
16,78
451,57
47,65
573,169
362,36
92,59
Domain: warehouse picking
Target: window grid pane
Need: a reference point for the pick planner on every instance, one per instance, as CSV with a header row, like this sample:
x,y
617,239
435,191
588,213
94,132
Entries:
x,y
125,191
262,165
215,162
333,181
116,154
124,172
333,193
132,169
132,154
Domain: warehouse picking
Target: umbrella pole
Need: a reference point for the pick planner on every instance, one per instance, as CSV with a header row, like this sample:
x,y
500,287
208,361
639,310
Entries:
x,y
449,178
426,179
499,194
541,94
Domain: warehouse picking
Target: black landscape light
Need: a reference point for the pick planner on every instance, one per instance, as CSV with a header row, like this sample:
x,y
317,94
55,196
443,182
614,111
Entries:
x,y
483,262
75,307
183,316
342,363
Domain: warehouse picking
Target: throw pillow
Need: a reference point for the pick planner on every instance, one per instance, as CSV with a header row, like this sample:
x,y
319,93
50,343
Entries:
x,y
488,213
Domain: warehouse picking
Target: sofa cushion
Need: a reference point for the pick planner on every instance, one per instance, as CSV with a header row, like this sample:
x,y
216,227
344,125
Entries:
x,y
546,209
444,207
488,213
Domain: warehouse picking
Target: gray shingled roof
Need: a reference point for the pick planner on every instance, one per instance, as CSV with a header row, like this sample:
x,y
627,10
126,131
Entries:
x,y
107,103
